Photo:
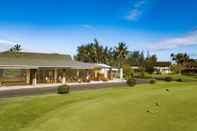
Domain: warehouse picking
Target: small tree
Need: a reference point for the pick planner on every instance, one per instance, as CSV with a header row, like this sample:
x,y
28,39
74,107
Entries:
x,y
150,63
177,68
141,72
121,52
16,48
127,71
181,59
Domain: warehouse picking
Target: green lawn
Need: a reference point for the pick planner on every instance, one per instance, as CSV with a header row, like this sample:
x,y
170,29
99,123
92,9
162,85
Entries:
x,y
143,108
185,78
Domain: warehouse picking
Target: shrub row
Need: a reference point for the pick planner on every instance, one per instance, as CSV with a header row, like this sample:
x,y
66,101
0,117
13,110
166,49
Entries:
x,y
131,82
63,89
169,79
152,81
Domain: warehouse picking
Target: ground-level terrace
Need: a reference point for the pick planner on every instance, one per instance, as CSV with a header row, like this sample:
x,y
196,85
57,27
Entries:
x,y
40,68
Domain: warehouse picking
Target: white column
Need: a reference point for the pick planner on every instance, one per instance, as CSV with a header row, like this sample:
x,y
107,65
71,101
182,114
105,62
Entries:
x,y
55,75
27,76
34,79
64,77
95,73
87,76
78,80
78,73
105,73
121,73
63,80
110,74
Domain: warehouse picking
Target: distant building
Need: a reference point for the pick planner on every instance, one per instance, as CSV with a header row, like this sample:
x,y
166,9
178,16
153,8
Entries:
x,y
135,67
163,67
190,67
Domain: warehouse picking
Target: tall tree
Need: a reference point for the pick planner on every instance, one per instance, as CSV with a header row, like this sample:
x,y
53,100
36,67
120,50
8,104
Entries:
x,y
181,60
136,58
16,48
108,56
150,63
121,53
92,52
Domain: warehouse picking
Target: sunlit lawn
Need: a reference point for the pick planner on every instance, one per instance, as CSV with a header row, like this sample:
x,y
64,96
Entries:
x,y
142,108
185,78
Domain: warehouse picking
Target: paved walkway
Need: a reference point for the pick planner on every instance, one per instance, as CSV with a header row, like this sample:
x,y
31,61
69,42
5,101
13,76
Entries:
x,y
13,91
6,88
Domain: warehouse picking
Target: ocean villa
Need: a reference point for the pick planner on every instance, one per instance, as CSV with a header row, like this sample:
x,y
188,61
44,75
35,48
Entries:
x,y
24,68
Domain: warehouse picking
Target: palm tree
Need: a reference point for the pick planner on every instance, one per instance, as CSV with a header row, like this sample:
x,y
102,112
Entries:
x,y
91,52
181,59
121,52
16,48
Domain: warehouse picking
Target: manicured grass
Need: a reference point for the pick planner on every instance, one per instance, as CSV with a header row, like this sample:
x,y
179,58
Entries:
x,y
143,108
185,78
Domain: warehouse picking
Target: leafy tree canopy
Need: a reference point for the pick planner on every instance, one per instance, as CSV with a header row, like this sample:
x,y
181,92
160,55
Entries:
x,y
180,58
15,48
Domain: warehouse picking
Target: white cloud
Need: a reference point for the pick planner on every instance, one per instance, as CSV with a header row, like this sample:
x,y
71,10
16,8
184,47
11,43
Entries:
x,y
86,26
134,14
136,11
139,4
5,44
194,29
187,40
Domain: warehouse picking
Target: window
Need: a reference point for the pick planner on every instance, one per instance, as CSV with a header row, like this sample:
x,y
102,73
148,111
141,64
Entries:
x,y
13,74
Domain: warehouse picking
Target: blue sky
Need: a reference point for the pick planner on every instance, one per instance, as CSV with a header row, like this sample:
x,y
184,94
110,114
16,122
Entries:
x,y
160,26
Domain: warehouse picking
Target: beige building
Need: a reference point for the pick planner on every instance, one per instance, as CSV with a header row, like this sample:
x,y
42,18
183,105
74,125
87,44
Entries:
x,y
33,68
163,67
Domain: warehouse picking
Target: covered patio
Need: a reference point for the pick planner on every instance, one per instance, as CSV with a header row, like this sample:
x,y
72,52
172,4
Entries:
x,y
38,68
25,90
19,87
11,76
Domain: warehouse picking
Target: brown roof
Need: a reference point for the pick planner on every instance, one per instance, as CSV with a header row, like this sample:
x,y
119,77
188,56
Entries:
x,y
163,63
191,64
37,60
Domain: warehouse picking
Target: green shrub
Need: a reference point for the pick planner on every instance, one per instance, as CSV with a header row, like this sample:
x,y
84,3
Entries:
x,y
179,80
86,80
168,79
127,71
63,89
152,81
131,82
159,78
104,79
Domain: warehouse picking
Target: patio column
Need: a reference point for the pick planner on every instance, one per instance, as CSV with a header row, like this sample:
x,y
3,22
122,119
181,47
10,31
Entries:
x,y
27,76
106,73
64,77
78,80
34,82
121,73
55,75
87,76
95,74
110,74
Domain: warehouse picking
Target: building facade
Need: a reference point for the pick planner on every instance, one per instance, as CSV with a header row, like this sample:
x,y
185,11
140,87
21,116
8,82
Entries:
x,y
35,68
163,67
